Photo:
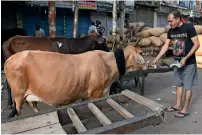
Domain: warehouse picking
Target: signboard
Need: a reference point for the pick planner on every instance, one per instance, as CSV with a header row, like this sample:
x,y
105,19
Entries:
x,y
183,3
104,6
191,4
184,11
195,13
59,4
88,5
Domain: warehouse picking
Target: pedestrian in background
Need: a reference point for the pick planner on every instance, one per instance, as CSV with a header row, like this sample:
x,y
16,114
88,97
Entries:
x,y
93,30
100,28
38,32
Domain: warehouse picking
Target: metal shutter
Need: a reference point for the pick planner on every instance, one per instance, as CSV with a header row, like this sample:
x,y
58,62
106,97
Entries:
x,y
162,20
146,16
83,22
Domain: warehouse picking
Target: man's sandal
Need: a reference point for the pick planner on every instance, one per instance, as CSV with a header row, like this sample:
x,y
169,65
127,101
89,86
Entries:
x,y
182,115
172,109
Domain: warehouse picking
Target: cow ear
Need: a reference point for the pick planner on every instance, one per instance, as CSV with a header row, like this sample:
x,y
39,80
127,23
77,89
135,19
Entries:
x,y
139,59
101,40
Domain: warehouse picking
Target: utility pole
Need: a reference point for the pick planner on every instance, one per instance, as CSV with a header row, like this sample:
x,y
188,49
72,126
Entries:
x,y
122,9
114,23
51,18
76,12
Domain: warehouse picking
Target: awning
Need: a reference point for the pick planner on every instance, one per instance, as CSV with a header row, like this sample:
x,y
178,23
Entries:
x,y
184,11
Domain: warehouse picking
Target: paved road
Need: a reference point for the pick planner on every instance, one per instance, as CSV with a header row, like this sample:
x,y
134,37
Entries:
x,y
159,88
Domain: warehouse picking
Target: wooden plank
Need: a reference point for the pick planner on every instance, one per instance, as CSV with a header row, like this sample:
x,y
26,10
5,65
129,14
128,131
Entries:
x,y
119,108
127,126
142,100
30,123
76,121
50,129
101,117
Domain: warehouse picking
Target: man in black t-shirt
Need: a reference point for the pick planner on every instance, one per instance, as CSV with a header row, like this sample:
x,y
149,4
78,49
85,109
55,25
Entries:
x,y
184,43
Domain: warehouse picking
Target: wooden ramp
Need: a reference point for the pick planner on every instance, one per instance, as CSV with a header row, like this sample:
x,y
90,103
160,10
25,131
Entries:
x,y
41,124
118,119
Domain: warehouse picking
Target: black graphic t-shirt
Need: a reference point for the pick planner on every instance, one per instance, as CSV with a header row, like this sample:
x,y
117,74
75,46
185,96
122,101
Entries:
x,y
182,43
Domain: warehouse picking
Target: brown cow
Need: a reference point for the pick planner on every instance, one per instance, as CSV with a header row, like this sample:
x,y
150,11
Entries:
x,y
53,44
60,79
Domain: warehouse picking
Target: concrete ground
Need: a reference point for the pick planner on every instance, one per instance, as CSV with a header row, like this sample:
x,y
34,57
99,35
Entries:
x,y
159,88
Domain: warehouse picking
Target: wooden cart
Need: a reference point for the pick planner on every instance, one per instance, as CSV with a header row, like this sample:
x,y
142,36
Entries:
x,y
120,113
139,75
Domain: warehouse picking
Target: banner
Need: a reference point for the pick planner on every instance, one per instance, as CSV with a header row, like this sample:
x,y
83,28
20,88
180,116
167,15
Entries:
x,y
183,3
104,6
58,4
88,5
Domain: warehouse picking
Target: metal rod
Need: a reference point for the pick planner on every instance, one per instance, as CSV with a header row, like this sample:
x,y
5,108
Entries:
x,y
114,22
122,5
76,12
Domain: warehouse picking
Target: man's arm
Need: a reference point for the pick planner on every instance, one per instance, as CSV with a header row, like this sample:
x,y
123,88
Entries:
x,y
194,48
163,51
96,31
103,29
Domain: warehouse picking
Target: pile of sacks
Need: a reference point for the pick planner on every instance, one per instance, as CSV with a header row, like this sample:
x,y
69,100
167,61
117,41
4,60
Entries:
x,y
149,39
199,53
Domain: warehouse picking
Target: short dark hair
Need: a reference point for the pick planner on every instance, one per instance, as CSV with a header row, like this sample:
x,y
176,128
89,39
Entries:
x,y
37,26
176,14
92,23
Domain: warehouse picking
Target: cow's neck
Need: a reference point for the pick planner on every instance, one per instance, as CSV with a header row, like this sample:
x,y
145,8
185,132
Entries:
x,y
112,65
120,61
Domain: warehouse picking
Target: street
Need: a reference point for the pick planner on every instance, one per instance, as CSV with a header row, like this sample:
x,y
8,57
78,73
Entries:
x,y
159,88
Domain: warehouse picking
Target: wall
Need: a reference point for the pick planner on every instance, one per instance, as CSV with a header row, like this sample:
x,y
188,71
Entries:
x,y
145,15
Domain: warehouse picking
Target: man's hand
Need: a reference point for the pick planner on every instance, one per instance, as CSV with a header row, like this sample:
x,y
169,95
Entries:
x,y
183,61
162,52
154,62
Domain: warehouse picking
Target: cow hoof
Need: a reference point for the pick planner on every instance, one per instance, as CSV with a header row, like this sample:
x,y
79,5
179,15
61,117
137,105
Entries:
x,y
12,114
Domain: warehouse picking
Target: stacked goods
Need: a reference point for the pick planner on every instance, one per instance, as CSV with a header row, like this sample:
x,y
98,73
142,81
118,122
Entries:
x,y
110,41
198,29
199,53
129,34
150,39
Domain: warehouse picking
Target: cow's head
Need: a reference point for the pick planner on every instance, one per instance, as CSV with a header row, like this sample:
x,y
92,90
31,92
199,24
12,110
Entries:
x,y
99,43
133,59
